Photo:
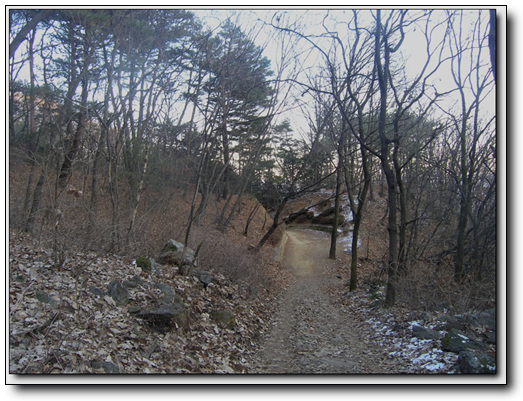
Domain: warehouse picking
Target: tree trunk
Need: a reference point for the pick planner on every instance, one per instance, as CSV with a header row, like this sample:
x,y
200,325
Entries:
x,y
492,41
37,196
402,197
104,132
334,232
464,199
30,26
31,126
273,227
460,244
392,263
393,233
139,193
358,216
243,182
249,219
226,161
66,169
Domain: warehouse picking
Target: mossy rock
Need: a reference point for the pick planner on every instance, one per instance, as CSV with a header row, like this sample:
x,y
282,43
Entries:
x,y
457,341
224,317
46,298
144,263
474,362
164,317
171,254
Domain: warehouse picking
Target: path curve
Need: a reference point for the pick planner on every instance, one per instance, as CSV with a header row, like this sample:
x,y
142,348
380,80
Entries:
x,y
308,333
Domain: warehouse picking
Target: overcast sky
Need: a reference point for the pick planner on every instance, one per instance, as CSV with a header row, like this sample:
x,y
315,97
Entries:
x,y
310,21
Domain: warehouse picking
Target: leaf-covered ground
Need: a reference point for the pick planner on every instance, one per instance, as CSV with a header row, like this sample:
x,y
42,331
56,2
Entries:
x,y
62,320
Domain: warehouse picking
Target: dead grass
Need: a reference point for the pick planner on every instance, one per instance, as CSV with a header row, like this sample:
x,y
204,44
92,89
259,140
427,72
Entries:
x,y
429,287
162,215
426,285
68,223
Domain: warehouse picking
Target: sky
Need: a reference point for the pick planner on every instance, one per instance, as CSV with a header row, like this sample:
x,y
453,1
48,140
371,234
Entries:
x,y
310,22
255,22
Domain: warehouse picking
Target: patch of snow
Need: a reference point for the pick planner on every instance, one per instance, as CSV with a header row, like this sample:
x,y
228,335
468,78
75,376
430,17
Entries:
x,y
434,366
315,211
424,355
415,323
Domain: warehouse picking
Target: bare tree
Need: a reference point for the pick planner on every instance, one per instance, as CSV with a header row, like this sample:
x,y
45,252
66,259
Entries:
x,y
293,191
38,16
474,87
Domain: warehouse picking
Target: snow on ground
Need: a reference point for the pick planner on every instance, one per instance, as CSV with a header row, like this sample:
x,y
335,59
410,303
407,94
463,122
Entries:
x,y
345,236
393,332
425,356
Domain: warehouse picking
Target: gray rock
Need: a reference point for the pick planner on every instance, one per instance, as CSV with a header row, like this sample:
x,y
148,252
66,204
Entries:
x,y
137,280
252,291
46,298
171,254
476,362
168,294
451,322
491,337
108,367
133,309
457,341
327,218
151,349
118,293
164,317
154,267
485,318
300,217
96,291
224,317
473,320
204,277
129,284
424,333
186,270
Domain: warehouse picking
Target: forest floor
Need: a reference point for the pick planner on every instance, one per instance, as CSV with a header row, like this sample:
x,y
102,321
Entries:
x,y
294,317
310,334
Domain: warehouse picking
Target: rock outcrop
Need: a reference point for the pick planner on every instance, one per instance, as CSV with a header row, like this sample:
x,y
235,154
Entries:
x,y
424,333
476,362
163,317
172,254
118,293
457,341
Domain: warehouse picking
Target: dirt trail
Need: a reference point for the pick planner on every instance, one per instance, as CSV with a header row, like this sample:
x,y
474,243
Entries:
x,y
309,334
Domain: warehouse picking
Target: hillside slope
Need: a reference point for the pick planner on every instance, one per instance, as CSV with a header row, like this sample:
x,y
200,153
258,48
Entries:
x,y
69,321
65,315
